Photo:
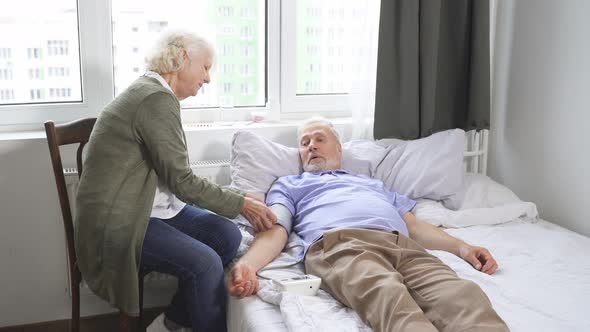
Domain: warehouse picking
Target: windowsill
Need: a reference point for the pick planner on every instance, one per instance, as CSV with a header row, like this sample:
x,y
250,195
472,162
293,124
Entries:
x,y
21,135
188,127
235,125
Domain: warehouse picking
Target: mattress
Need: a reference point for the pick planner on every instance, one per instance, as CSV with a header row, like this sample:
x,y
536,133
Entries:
x,y
542,283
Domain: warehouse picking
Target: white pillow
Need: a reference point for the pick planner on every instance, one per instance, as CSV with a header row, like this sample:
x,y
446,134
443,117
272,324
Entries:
x,y
483,192
430,167
256,162
362,157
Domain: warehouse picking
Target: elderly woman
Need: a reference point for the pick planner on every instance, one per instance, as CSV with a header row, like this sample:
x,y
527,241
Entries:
x,y
132,212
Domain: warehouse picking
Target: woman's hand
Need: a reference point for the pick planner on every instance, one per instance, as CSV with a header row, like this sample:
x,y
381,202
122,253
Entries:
x,y
258,214
259,198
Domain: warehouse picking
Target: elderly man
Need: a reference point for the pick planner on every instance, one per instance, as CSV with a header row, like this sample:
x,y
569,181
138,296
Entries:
x,y
367,247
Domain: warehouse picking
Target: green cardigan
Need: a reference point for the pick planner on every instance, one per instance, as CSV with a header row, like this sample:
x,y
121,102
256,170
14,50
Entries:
x,y
137,139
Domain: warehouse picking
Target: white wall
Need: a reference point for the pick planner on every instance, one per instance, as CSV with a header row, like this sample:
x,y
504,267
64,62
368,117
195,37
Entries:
x,y
541,107
32,249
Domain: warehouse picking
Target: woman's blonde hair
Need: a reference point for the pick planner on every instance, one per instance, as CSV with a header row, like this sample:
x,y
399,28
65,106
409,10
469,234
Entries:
x,y
166,55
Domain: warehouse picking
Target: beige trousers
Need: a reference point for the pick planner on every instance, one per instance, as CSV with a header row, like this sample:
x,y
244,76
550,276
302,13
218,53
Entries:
x,y
396,285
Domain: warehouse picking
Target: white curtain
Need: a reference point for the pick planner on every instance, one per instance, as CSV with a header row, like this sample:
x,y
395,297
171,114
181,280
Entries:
x,y
362,96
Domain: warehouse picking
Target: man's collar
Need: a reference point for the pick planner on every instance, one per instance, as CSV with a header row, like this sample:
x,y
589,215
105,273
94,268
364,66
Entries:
x,y
333,172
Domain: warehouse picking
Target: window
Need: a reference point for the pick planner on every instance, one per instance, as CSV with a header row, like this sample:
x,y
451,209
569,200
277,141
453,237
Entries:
x,y
219,21
58,47
245,70
35,74
245,13
226,88
319,68
227,68
246,51
48,38
6,74
6,94
245,89
5,53
34,53
155,26
296,54
58,71
247,33
35,94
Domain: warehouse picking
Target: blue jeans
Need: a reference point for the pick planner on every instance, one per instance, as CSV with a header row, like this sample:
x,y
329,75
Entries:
x,y
194,246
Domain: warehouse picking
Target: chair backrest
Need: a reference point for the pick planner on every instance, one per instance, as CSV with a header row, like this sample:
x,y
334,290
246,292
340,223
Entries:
x,y
75,132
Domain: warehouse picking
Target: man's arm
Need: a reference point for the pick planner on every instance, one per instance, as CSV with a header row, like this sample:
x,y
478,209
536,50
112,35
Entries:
x,y
434,238
267,245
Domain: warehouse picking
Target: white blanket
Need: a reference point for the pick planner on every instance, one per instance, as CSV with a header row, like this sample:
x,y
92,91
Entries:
x,y
434,213
543,280
308,313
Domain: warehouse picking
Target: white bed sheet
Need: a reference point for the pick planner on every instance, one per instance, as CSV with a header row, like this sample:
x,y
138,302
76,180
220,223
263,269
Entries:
x,y
543,281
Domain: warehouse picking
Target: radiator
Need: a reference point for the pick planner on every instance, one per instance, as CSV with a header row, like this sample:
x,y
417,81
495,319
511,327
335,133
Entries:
x,y
216,171
476,151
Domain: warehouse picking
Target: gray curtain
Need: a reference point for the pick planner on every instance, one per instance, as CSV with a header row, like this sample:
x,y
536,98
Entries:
x,y
433,67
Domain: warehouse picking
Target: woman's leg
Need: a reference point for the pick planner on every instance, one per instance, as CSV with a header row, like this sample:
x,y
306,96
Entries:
x,y
215,231
194,246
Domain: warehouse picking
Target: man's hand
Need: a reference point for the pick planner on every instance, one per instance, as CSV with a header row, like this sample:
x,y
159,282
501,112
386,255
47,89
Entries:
x,y
258,214
480,258
242,281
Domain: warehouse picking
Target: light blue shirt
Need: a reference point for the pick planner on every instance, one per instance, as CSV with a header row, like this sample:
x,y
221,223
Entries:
x,y
323,201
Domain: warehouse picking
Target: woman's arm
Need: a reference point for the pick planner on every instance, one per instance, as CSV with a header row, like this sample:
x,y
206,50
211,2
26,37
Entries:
x,y
159,129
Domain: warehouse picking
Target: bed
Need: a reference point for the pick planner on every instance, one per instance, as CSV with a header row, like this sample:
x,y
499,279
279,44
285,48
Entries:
x,y
543,281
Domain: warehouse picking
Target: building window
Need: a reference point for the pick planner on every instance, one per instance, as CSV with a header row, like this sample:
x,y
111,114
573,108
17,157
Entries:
x,y
34,53
245,89
226,88
35,74
157,26
5,53
245,70
35,94
5,73
58,47
6,94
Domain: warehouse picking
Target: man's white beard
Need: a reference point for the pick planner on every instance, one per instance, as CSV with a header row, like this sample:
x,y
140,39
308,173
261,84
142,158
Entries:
x,y
315,167
321,166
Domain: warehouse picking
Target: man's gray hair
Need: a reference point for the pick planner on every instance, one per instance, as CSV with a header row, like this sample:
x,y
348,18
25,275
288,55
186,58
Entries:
x,y
166,55
316,120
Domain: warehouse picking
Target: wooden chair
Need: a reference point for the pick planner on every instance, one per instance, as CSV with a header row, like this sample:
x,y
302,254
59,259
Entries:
x,y
76,132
